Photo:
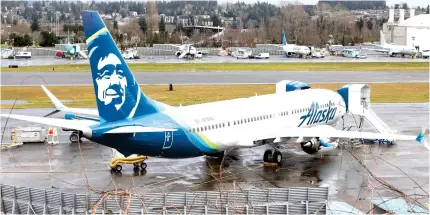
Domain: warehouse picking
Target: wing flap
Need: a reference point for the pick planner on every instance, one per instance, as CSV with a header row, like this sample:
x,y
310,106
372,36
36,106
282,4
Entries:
x,y
138,129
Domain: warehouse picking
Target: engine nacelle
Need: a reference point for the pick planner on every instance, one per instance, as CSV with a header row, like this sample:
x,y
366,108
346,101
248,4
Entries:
x,y
178,53
319,145
312,146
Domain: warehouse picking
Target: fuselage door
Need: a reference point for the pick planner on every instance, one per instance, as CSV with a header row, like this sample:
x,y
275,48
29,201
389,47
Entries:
x,y
168,139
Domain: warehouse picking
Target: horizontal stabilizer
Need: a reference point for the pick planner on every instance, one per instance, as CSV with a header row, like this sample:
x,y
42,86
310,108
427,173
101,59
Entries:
x,y
64,123
137,129
61,107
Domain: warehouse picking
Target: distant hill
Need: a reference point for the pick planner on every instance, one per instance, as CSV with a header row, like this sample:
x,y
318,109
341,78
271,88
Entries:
x,y
356,5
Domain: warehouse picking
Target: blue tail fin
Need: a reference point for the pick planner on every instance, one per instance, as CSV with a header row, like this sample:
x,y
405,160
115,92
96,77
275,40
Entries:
x,y
117,92
284,40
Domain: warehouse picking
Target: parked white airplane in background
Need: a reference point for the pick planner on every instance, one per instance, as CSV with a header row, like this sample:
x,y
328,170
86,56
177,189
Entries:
x,y
394,50
293,49
133,123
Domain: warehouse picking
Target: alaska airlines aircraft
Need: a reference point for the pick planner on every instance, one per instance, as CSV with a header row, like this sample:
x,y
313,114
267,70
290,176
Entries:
x,y
133,123
293,49
394,50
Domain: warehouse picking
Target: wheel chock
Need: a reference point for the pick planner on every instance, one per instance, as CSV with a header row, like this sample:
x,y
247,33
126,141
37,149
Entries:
x,y
270,164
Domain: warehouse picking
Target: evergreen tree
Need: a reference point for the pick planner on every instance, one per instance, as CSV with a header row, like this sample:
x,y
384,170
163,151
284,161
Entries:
x,y
428,9
115,24
142,24
216,21
35,25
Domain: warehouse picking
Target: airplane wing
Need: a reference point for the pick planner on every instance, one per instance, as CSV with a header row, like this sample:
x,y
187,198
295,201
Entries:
x,y
315,132
61,107
81,125
333,133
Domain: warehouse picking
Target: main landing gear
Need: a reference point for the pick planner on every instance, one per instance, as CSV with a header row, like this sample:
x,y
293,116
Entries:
x,y
75,137
273,157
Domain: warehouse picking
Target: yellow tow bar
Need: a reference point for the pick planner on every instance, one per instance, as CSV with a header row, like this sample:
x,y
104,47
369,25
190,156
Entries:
x,y
137,160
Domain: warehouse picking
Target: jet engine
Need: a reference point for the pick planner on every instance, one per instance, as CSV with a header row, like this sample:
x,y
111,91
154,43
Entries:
x,y
320,144
317,144
312,146
178,53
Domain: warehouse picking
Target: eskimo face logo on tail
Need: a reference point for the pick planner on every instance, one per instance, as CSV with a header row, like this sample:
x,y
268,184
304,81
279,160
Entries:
x,y
316,115
111,82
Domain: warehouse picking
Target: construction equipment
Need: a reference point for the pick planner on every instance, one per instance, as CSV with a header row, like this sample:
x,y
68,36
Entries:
x,y
119,159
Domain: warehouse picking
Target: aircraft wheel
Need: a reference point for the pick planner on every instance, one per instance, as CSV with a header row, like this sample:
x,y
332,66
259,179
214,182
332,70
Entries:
x,y
74,137
143,165
118,168
267,157
277,157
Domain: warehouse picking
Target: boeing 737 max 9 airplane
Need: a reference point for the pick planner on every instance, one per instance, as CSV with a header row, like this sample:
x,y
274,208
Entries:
x,y
133,123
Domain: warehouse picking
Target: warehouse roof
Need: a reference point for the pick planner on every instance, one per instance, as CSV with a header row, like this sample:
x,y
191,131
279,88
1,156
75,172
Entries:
x,y
420,21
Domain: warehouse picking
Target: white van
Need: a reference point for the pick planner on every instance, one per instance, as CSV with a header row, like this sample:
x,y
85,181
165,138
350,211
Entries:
x,y
425,54
25,55
262,56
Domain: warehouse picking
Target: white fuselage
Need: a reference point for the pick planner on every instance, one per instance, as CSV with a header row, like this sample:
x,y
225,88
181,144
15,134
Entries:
x,y
233,123
399,49
295,49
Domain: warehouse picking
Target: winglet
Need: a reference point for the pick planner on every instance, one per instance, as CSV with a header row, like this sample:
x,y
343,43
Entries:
x,y
55,101
421,138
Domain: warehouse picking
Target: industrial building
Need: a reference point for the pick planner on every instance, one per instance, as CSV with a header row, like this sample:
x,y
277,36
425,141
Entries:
x,y
410,32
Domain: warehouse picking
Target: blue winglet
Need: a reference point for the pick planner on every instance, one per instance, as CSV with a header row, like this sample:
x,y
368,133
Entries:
x,y
420,137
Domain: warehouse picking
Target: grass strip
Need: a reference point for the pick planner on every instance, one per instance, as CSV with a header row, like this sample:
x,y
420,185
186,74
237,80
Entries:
x,y
204,67
83,96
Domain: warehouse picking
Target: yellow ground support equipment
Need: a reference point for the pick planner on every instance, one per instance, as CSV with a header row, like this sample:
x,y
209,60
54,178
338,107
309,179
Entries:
x,y
119,159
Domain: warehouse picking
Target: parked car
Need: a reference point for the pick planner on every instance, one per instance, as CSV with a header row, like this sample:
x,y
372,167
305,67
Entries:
x,y
262,56
425,54
25,55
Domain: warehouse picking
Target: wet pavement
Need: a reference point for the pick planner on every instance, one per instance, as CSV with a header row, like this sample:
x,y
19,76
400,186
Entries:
x,y
61,167
241,77
206,59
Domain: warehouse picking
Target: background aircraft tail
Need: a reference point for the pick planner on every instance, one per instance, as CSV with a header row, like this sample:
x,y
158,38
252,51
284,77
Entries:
x,y
284,40
117,92
382,39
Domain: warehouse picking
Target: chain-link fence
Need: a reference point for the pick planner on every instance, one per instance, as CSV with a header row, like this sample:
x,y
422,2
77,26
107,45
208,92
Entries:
x,y
298,200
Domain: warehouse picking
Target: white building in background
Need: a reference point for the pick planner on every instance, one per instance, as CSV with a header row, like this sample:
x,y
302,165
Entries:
x,y
412,32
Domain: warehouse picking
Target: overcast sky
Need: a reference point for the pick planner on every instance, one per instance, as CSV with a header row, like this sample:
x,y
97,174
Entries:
x,y
412,3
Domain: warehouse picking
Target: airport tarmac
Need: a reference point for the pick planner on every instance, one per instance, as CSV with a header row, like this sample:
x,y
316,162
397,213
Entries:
x,y
60,166
37,61
241,77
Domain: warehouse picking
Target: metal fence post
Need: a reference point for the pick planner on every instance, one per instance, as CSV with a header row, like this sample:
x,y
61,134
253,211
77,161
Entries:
x,y
14,200
44,204
61,202
1,200
307,202
29,201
